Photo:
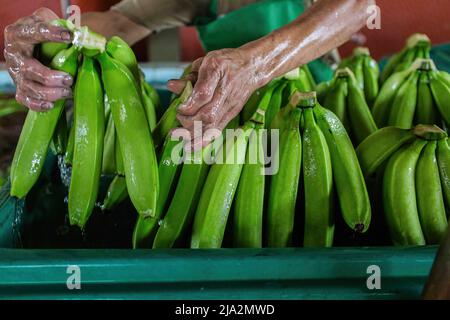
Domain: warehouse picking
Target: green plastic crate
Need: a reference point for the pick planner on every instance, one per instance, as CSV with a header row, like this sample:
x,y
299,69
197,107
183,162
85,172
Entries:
x,y
339,273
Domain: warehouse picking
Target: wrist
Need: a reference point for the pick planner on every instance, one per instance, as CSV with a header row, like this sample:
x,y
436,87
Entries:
x,y
255,55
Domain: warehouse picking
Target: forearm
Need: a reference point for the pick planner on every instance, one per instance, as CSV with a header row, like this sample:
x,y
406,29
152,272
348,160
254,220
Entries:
x,y
326,25
111,23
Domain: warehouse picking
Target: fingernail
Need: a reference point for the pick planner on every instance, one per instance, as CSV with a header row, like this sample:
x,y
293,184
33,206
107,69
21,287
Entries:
x,y
67,81
185,106
182,107
67,93
47,105
65,35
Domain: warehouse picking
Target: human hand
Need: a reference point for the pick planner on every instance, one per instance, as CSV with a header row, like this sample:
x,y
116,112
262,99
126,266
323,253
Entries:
x,y
224,80
37,86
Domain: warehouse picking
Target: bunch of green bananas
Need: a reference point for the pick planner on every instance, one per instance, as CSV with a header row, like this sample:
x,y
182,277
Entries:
x,y
346,100
329,165
278,91
114,111
418,46
417,95
366,72
206,194
415,168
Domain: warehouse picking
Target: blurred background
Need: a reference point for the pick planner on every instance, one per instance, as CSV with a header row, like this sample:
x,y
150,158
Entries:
x,y
399,19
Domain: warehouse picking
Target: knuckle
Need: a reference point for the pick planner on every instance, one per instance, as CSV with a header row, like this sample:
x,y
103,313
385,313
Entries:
x,y
203,93
208,116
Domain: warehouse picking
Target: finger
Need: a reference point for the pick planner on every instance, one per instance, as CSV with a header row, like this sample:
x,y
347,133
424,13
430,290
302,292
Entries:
x,y
33,70
210,114
195,67
33,104
177,85
37,91
208,78
39,32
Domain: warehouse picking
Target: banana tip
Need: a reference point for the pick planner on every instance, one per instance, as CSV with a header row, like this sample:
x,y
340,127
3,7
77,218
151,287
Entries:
x,y
359,228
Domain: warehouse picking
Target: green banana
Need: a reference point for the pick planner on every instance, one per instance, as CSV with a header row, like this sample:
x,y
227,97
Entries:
x,y
445,77
88,147
311,80
264,100
121,51
37,133
441,94
379,146
426,112
154,96
399,195
284,184
252,104
68,155
358,70
279,120
322,90
361,121
347,174
404,105
117,193
184,202
59,141
138,152
443,157
149,106
407,60
430,201
118,158
249,202
169,120
109,155
417,45
390,65
318,185
371,75
168,170
275,103
218,193
303,83
336,98
388,91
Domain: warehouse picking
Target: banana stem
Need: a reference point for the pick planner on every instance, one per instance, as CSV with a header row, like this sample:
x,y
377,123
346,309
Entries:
x,y
307,99
429,132
260,113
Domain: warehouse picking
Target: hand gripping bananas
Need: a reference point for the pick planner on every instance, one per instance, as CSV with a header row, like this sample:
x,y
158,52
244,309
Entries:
x,y
108,83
